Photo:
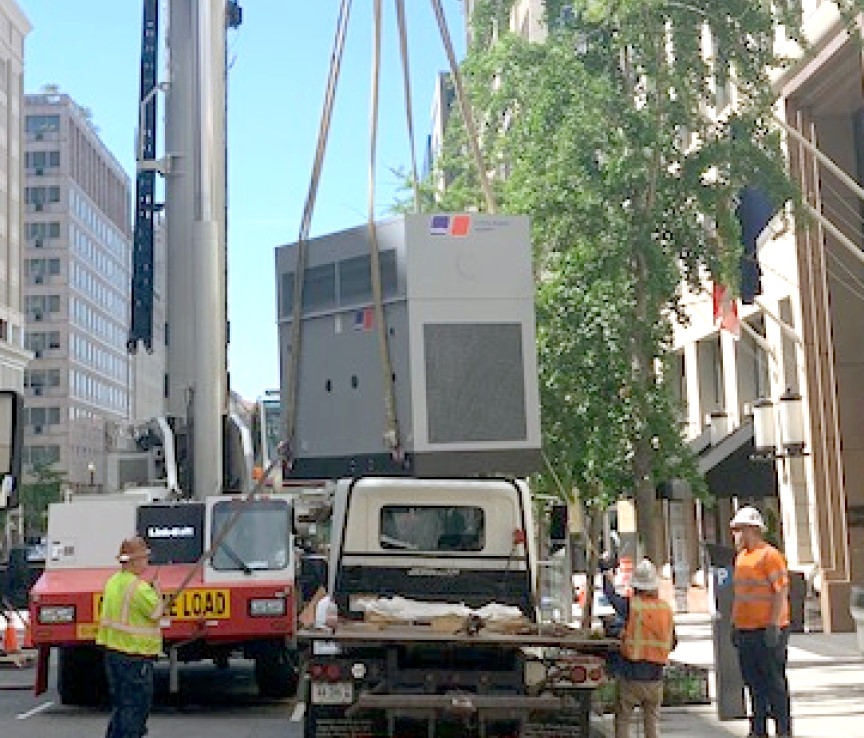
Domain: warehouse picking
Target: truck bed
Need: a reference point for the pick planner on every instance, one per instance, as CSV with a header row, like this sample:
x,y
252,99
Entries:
x,y
537,636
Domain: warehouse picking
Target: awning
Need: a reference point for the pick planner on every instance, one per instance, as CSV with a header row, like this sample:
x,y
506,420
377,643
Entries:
x,y
727,467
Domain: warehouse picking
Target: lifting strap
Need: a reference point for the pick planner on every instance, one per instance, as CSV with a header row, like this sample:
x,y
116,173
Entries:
x,y
391,429
465,109
406,80
305,225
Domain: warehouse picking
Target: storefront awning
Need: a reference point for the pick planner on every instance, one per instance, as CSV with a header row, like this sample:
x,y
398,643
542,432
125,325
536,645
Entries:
x,y
727,467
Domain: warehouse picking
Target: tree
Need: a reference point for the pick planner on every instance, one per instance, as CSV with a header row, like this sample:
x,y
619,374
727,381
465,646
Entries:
x,y
37,495
605,135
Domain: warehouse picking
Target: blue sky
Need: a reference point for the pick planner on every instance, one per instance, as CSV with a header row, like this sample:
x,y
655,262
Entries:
x,y
280,59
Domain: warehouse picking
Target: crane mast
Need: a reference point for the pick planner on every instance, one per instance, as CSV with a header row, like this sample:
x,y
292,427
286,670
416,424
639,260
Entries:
x,y
194,167
195,219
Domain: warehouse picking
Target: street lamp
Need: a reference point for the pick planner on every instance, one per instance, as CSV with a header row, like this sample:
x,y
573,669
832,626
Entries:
x,y
790,413
91,468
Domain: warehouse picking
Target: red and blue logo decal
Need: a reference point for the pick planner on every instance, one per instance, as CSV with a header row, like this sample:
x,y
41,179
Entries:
x,y
450,225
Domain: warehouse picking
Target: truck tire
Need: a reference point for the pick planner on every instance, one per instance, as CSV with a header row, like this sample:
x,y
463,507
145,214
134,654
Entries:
x,y
81,676
276,671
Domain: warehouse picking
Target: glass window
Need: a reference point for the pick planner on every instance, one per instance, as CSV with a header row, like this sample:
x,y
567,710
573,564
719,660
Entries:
x,y
42,123
259,539
432,528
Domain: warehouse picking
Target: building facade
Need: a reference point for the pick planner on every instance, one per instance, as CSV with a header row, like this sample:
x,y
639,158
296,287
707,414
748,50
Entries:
x,y
14,28
76,273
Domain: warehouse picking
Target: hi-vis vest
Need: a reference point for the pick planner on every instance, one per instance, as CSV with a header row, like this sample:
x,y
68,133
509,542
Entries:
x,y
129,621
759,573
648,633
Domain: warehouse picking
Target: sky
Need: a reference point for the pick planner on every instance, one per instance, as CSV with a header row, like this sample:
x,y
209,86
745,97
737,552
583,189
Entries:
x,y
279,61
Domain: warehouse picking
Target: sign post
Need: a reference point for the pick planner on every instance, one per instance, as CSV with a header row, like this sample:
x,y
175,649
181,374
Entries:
x,y
730,685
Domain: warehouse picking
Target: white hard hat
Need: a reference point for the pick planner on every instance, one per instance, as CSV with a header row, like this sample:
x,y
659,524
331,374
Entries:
x,y
748,516
645,576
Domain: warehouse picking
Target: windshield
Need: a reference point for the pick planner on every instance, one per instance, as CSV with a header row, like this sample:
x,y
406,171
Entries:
x,y
259,538
432,528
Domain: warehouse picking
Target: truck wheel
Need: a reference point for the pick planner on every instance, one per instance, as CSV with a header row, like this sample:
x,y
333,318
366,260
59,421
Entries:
x,y
276,671
81,676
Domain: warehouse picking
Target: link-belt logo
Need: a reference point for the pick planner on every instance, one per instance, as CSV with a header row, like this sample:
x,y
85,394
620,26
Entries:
x,y
450,225
170,531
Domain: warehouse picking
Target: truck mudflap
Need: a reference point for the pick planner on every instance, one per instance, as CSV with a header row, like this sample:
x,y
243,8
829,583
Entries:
x,y
454,715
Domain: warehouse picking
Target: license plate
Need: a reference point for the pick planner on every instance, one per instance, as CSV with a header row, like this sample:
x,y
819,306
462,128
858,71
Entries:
x,y
192,604
338,693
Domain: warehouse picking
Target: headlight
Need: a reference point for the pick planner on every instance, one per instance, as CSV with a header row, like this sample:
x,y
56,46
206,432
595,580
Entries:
x,y
272,607
53,614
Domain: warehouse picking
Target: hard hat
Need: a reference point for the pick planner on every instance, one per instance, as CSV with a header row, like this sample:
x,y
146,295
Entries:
x,y
133,548
748,516
645,576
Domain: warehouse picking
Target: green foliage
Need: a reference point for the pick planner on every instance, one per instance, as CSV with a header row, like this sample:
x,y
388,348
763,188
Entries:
x,y
604,135
37,495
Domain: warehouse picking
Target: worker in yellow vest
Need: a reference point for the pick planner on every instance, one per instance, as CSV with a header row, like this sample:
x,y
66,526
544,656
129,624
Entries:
x,y
760,620
646,641
129,632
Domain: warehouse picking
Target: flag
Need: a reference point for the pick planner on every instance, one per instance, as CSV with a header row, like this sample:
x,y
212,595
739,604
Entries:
x,y
726,310
364,319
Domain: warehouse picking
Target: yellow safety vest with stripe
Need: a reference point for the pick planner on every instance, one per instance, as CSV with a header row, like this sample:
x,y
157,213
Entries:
x,y
649,630
129,621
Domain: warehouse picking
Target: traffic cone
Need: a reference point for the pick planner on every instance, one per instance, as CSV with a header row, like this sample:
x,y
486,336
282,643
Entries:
x,y
10,638
28,635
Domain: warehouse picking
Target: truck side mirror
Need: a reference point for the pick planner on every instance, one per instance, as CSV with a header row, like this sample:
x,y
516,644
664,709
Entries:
x,y
11,440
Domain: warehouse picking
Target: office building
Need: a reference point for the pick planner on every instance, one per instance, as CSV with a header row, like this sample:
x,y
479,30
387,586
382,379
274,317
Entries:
x,y
14,27
78,243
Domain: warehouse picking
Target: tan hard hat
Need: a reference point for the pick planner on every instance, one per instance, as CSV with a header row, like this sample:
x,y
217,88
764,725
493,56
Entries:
x,y
645,577
133,548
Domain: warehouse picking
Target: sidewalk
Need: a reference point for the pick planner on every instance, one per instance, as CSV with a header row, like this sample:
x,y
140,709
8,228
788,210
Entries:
x,y
826,678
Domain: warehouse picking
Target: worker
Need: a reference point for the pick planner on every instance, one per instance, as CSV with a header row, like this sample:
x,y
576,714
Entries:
x,y
646,641
129,631
760,622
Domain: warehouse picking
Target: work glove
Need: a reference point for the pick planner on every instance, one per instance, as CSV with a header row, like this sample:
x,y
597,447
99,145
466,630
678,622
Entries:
x,y
735,637
772,636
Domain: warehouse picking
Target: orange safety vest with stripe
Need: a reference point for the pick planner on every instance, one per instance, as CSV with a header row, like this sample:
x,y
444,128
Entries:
x,y
759,574
649,631
129,621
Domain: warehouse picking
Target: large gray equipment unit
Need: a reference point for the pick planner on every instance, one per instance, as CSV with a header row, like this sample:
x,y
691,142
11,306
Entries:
x,y
458,298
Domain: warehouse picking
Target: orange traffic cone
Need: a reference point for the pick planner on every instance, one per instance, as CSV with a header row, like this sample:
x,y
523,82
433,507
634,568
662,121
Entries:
x,y
10,638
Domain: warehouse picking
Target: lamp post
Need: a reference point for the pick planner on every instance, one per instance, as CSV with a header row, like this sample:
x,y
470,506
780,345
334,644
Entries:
x,y
91,468
790,414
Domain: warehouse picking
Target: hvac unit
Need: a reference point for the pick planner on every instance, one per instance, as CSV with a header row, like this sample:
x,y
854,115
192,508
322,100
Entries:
x,y
459,316
38,279
38,206
37,430
39,171
38,243
37,390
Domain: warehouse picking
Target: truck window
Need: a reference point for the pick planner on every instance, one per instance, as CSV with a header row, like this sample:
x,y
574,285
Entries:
x,y
431,528
259,539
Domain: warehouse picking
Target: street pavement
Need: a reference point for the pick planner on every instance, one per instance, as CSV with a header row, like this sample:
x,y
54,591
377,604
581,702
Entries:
x,y
826,679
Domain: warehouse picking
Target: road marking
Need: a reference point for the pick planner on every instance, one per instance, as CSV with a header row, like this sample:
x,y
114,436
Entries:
x,y
39,708
299,709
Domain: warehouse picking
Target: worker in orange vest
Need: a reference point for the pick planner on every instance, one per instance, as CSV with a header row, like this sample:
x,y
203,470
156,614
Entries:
x,y
760,620
647,639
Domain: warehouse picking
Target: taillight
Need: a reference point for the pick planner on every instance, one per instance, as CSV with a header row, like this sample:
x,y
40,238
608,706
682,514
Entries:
x,y
578,674
333,672
316,671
